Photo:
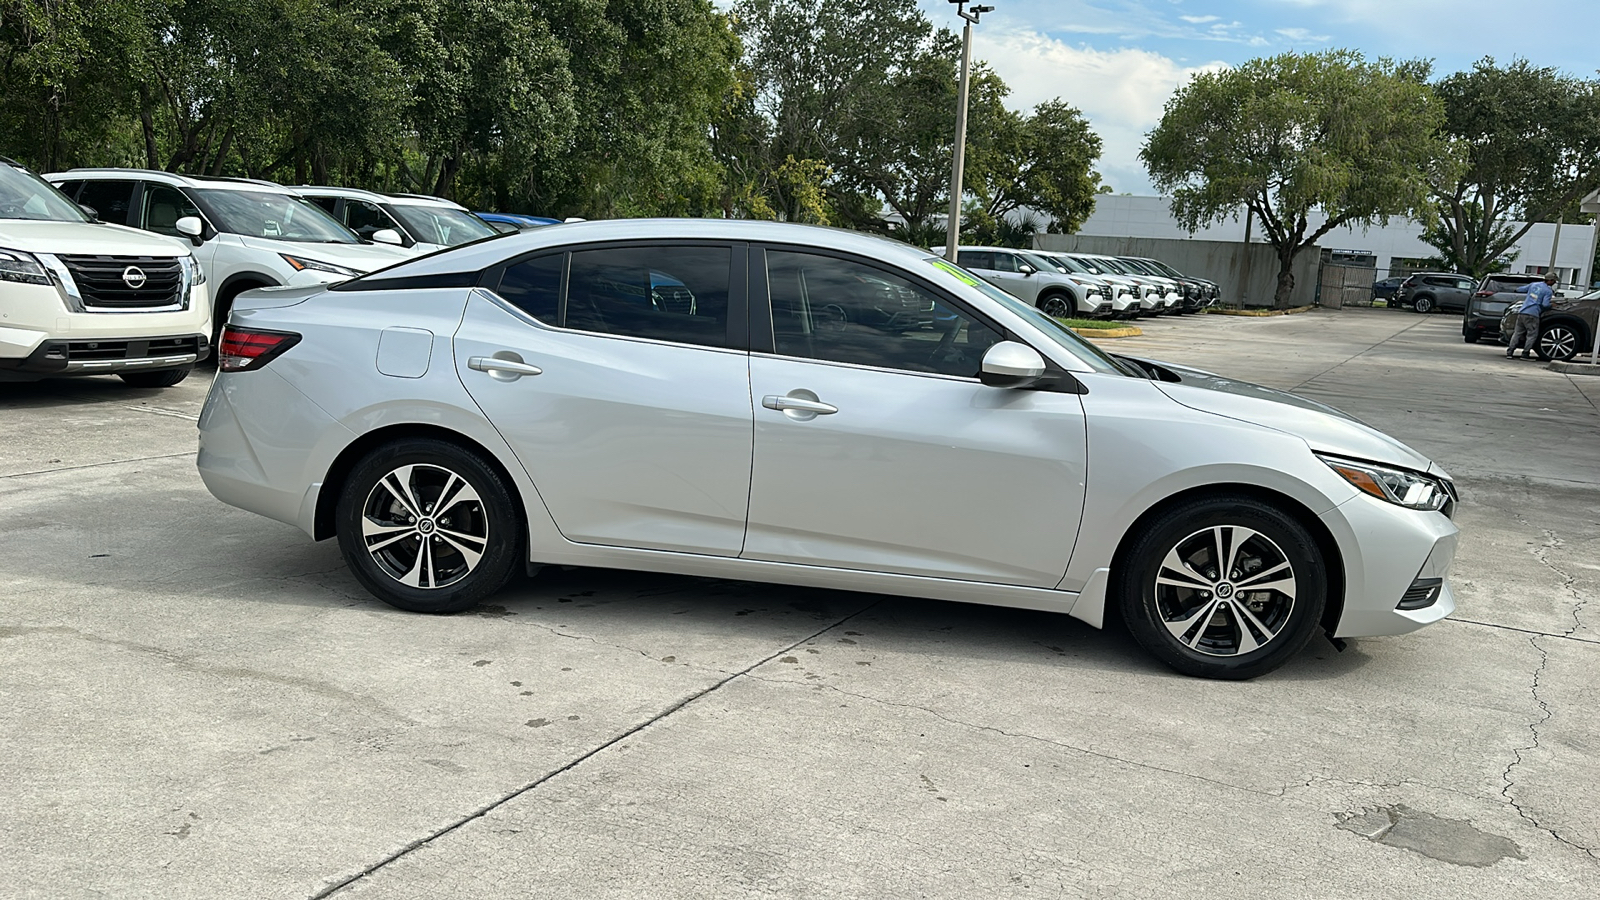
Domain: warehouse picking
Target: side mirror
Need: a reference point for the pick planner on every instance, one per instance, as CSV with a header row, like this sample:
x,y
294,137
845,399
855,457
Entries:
x,y
1026,269
91,212
388,236
193,228
1009,364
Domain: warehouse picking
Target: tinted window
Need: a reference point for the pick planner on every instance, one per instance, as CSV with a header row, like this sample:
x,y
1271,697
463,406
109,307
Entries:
x,y
365,218
163,207
70,188
108,198
1005,262
534,286
975,259
842,311
327,203
677,294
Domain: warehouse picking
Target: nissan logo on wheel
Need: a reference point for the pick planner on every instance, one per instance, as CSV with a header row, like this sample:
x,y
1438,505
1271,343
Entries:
x,y
134,277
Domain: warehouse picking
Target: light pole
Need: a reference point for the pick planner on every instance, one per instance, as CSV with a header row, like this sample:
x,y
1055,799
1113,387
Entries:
x,y
953,227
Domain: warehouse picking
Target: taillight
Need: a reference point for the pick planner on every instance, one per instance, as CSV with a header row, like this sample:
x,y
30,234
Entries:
x,y
244,349
1484,294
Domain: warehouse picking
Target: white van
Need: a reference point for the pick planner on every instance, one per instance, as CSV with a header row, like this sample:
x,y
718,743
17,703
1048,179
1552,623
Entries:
x,y
80,297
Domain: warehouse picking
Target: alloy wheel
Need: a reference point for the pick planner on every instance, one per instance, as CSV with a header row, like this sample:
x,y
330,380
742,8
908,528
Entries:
x,y
1558,342
1055,307
424,526
1225,591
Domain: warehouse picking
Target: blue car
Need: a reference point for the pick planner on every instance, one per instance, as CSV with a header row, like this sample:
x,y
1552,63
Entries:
x,y
509,222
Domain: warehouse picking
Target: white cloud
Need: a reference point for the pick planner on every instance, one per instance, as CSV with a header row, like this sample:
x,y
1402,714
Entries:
x,y
1303,36
1199,20
1121,92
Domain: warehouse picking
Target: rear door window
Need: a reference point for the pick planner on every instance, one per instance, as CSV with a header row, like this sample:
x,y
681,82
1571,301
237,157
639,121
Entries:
x,y
110,199
666,293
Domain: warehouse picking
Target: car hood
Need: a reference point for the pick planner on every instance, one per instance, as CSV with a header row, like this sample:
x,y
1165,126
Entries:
x,y
1325,428
361,257
32,236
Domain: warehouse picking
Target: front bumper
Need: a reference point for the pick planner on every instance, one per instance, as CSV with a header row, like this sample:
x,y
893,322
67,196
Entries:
x,y
1387,550
102,356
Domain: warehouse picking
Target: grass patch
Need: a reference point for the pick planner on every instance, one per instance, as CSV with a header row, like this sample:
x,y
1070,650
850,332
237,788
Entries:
x,y
1097,324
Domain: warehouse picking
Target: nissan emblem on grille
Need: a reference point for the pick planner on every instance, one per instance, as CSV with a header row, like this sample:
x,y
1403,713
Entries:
x,y
133,277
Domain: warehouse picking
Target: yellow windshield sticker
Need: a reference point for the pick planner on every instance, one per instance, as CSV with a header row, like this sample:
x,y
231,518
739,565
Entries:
x,y
965,276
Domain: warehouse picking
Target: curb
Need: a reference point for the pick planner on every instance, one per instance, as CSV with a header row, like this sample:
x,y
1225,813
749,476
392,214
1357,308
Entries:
x,y
1257,313
1574,368
1128,331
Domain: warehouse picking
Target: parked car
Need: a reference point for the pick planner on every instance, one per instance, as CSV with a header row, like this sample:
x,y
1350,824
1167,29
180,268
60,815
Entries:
x,y
1566,329
508,223
521,411
1488,305
1429,291
1182,293
416,222
1385,288
1038,281
1205,296
81,297
250,234
1154,296
1124,294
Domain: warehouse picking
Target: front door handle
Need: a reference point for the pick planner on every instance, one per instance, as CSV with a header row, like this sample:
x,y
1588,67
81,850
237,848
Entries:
x,y
800,405
505,366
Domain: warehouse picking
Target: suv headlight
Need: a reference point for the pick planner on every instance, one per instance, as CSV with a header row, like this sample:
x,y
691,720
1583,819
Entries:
x,y
197,272
22,268
300,263
1413,490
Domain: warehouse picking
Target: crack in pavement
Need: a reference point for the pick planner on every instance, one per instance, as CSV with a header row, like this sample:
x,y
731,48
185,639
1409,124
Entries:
x,y
484,810
114,462
1570,582
1566,636
1533,729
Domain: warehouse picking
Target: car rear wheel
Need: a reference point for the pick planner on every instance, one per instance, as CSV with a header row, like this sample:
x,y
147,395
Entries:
x,y
159,378
1558,342
1223,587
428,526
1056,306
1469,336
1423,304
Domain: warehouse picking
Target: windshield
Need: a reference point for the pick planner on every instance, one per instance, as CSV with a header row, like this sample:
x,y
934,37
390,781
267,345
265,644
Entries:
x,y
1042,263
1112,265
1140,266
278,217
1071,265
24,195
1091,266
1059,334
1162,267
441,224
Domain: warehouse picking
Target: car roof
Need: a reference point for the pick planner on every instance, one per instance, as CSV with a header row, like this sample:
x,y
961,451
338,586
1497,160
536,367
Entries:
x,y
246,184
321,190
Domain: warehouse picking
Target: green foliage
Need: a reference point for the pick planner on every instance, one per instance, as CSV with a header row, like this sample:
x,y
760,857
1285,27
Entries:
x,y
1294,133
1523,142
1460,256
1045,161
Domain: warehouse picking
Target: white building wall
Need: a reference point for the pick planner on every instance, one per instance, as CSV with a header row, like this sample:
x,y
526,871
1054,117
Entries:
x,y
1151,217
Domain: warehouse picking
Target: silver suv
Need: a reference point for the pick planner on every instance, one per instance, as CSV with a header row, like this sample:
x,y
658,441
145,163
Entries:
x,y
418,223
246,234
1038,281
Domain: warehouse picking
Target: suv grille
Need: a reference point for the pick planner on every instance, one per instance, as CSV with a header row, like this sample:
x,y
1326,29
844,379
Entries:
x,y
100,280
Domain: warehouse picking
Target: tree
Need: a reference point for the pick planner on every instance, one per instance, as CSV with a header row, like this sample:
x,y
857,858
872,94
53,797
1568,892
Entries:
x,y
1526,143
1291,134
1459,242
1044,161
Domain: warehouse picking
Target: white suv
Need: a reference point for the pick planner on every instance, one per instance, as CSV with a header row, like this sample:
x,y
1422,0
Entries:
x,y
81,298
418,223
246,234
1027,277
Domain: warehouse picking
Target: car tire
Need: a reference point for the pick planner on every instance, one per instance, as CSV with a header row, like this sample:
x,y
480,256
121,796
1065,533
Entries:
x,y
1559,342
1423,304
1470,337
1163,606
386,517
1057,306
157,378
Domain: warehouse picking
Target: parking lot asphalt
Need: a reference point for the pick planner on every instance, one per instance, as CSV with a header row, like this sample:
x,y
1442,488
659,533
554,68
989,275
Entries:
x,y
197,702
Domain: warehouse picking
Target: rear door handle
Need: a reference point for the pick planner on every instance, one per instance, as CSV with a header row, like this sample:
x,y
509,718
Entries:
x,y
502,368
798,404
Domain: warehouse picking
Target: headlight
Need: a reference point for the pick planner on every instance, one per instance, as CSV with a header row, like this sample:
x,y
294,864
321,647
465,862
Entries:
x,y
300,264
1413,490
22,268
197,273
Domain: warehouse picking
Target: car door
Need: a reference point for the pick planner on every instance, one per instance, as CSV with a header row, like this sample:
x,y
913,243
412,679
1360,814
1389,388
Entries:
x,y
632,416
1460,292
881,451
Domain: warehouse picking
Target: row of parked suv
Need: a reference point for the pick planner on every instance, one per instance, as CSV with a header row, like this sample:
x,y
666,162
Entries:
x,y
1488,307
133,272
1089,285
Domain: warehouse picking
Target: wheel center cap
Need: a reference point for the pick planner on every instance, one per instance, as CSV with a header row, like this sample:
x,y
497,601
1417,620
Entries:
x,y
425,526
1224,590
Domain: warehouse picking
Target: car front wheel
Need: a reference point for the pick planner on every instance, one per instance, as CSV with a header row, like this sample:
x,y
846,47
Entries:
x,y
1223,587
428,526
1558,342
1423,305
1056,306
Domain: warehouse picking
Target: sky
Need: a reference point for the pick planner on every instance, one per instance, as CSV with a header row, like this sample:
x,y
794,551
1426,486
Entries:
x,y
1120,60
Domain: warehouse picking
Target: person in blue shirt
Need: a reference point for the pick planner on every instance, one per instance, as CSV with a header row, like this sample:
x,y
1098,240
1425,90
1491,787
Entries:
x,y
1526,332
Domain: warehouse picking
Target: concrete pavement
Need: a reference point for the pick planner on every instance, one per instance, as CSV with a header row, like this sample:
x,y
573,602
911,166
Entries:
x,y
198,702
